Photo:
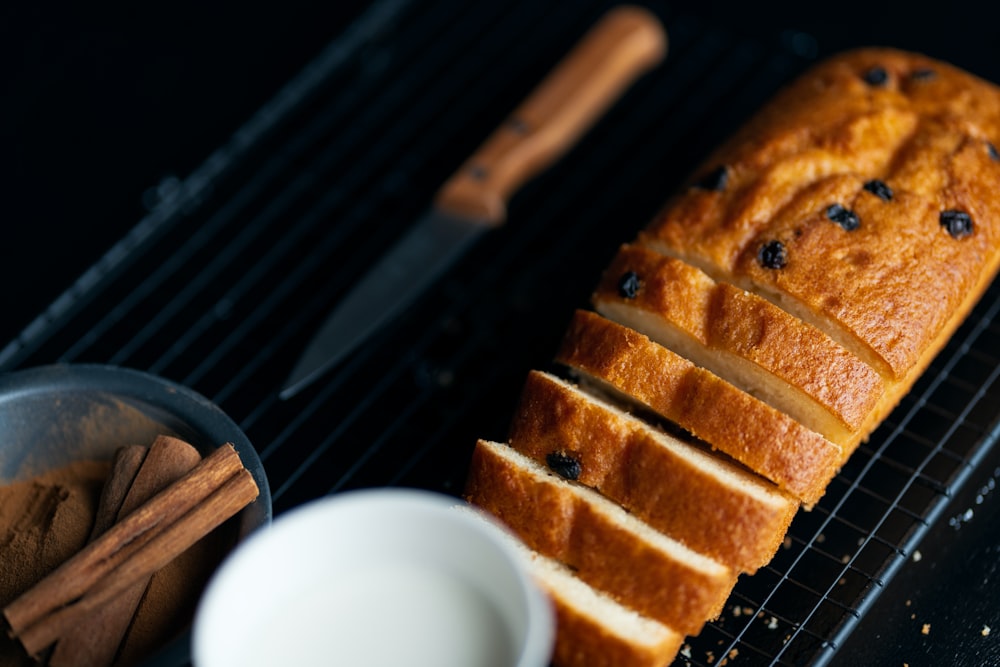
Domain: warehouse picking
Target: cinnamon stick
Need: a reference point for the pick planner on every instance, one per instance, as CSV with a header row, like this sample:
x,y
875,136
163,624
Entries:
x,y
124,467
138,545
233,496
94,642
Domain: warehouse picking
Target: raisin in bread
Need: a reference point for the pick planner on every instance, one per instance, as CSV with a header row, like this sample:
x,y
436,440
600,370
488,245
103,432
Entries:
x,y
651,473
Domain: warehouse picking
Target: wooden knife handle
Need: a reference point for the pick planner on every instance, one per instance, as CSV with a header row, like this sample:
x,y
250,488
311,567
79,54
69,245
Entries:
x,y
626,42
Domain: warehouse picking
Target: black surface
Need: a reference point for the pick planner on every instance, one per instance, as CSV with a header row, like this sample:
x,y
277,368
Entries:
x,y
949,584
100,105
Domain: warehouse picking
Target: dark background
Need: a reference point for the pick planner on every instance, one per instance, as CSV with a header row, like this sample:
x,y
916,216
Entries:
x,y
101,105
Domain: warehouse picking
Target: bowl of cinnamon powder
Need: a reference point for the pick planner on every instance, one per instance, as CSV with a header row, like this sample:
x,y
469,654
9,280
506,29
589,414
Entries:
x,y
120,494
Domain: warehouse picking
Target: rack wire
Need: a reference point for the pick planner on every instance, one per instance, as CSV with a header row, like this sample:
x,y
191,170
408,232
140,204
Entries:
x,y
227,278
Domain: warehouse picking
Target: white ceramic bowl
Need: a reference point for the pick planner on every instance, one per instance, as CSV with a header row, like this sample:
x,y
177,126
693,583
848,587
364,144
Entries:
x,y
375,577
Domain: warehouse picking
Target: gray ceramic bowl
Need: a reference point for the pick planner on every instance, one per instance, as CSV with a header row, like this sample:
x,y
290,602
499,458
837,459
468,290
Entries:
x,y
53,415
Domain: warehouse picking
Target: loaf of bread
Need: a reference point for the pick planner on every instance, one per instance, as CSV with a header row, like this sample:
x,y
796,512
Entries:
x,y
758,329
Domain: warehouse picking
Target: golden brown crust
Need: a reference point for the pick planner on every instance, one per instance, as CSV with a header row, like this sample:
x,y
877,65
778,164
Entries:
x,y
892,284
707,504
755,434
725,321
566,522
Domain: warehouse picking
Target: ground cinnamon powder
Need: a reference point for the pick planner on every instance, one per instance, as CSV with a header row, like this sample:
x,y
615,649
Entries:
x,y
43,521
47,519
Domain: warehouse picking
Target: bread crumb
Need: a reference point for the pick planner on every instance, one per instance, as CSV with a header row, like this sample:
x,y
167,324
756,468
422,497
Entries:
x,y
686,650
821,538
772,624
926,630
917,556
985,632
908,603
709,657
787,543
735,652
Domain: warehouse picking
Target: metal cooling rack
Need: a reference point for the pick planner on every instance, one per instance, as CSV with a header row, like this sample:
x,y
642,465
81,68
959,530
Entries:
x,y
225,280
838,558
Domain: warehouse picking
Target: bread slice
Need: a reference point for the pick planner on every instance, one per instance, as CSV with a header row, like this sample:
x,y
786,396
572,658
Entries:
x,y
591,628
743,338
606,546
709,504
768,442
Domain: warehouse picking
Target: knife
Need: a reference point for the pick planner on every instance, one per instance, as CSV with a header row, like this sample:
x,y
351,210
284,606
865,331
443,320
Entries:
x,y
623,45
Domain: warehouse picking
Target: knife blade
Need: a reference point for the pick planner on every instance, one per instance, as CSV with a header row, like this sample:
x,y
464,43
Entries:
x,y
624,44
